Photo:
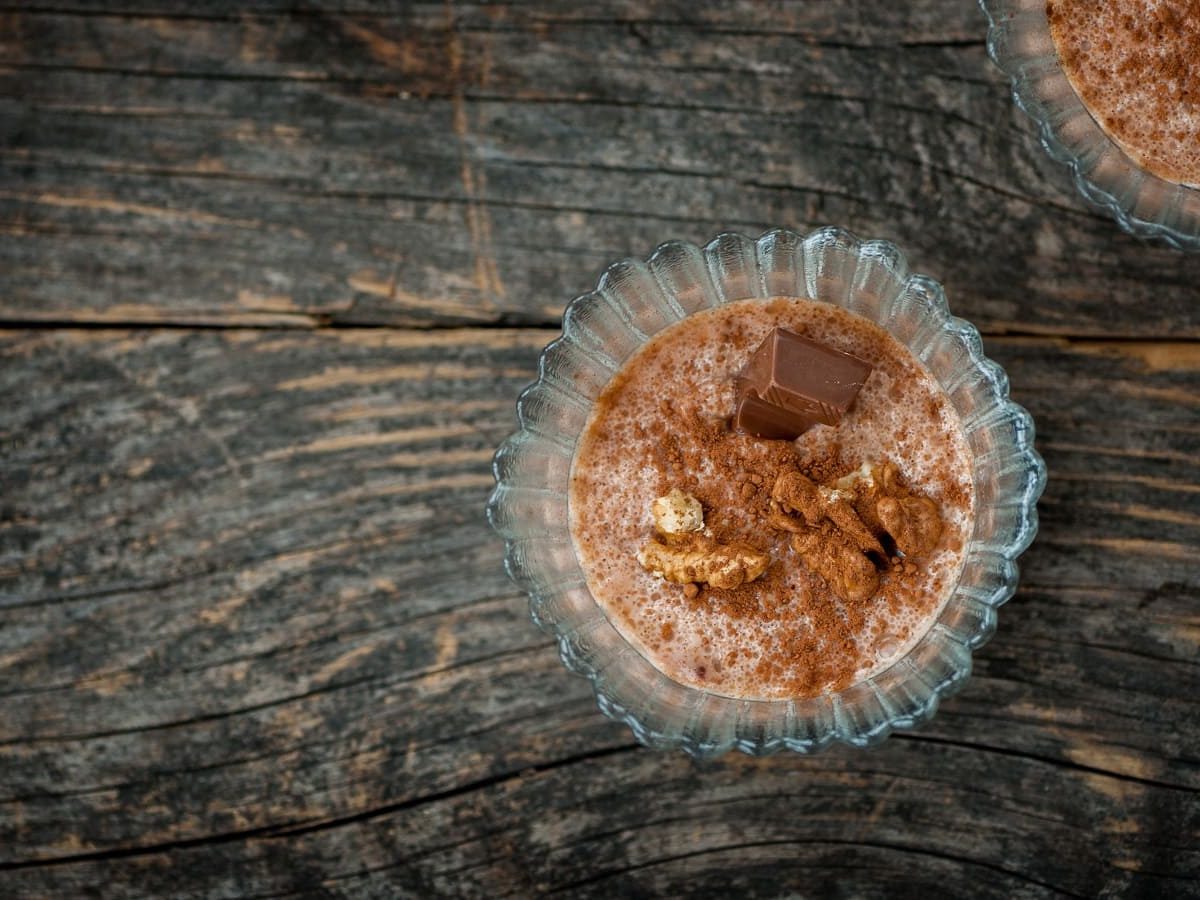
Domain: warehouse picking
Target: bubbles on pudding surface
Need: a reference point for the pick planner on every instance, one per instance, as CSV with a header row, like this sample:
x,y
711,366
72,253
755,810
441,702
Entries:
x,y
1134,65
660,425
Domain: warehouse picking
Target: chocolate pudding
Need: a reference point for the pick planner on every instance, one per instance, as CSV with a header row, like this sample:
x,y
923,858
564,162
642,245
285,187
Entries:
x,y
766,567
1136,66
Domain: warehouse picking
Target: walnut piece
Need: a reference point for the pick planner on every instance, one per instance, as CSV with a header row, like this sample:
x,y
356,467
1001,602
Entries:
x,y
913,522
796,494
677,513
887,507
696,559
845,568
837,529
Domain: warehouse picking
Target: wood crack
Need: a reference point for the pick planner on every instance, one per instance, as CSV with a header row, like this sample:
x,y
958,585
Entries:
x,y
378,679
309,826
877,845
1045,760
153,774
300,649
510,321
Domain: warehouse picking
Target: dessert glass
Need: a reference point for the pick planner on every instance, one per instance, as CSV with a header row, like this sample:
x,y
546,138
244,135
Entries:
x,y
1143,204
601,329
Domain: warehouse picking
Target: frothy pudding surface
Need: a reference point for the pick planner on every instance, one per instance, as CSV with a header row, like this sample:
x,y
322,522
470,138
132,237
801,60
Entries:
x,y
1136,66
661,425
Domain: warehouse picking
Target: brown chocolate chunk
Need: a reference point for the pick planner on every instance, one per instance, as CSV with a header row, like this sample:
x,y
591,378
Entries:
x,y
804,377
765,420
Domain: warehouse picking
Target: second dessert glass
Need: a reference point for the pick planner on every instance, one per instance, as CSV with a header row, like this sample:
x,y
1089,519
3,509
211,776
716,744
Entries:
x,y
634,301
1143,204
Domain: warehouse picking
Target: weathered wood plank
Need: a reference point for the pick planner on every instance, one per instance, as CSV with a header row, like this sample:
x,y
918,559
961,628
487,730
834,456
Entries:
x,y
255,634
433,166
921,815
254,628
921,21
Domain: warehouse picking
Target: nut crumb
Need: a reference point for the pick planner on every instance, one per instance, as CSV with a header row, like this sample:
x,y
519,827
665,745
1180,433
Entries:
x,y
677,513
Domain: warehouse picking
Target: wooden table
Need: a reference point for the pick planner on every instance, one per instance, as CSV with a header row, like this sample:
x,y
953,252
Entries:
x,y
270,280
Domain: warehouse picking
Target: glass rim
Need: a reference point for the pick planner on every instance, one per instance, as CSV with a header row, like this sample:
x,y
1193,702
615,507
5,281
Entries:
x,y
1143,203
634,300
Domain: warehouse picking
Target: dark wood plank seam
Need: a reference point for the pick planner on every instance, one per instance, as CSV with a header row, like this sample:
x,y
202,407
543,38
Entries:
x,y
476,96
297,185
890,153
341,635
640,216
213,567
283,649
450,793
1123,651
328,322
483,835
586,713
999,800
286,185
971,716
293,78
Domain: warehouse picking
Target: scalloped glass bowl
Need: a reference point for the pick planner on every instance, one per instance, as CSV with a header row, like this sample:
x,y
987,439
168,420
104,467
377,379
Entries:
x,y
1143,204
635,300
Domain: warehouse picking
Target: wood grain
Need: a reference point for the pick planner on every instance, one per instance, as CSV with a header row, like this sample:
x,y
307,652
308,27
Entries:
x,y
445,165
271,277
255,630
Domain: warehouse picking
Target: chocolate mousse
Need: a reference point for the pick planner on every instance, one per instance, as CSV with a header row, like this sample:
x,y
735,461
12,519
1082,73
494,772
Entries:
x,y
779,561
1136,66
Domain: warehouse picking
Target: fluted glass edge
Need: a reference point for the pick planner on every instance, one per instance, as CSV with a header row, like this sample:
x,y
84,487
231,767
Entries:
x,y
1143,204
634,300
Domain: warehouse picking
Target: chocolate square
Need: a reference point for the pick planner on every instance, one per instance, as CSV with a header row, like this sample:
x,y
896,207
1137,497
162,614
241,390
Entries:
x,y
798,376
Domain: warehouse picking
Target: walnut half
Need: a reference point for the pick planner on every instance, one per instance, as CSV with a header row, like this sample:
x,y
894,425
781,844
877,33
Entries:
x,y
684,554
913,522
798,497
695,559
847,570
838,529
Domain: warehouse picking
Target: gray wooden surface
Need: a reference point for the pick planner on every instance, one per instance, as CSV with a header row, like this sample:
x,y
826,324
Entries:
x,y
271,277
